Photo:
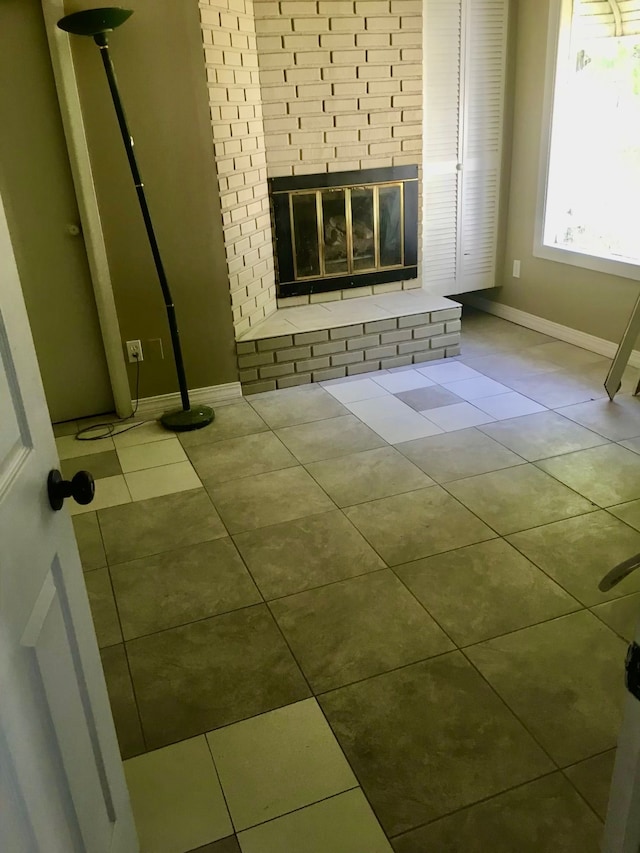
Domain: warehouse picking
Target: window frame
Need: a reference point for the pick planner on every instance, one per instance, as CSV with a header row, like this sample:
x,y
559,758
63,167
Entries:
x,y
558,44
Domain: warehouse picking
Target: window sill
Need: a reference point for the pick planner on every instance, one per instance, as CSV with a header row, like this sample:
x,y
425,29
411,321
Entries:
x,y
589,262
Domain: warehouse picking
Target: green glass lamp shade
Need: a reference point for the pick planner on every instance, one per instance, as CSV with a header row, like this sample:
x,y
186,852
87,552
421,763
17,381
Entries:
x,y
92,22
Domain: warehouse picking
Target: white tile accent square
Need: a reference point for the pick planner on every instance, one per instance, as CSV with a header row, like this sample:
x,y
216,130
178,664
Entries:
x,y
481,386
406,380
458,416
176,798
69,447
150,455
405,427
349,392
143,434
342,824
385,406
454,372
278,762
153,482
505,406
110,491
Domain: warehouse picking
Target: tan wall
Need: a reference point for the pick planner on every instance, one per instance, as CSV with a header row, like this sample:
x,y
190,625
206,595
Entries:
x,y
589,301
37,191
158,59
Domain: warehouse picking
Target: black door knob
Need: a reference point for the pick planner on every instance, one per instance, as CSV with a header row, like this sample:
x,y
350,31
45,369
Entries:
x,y
81,488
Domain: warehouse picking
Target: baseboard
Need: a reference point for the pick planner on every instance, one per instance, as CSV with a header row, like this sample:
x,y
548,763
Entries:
x,y
215,395
548,327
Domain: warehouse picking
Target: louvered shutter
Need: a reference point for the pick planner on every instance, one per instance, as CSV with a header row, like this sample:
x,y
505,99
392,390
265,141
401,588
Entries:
x,y
485,47
443,23
606,18
465,65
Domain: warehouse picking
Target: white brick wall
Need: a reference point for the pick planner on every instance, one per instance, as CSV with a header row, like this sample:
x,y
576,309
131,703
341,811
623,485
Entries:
x,y
231,57
338,60
300,87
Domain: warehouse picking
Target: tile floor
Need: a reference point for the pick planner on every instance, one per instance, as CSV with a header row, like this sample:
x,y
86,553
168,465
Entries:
x,y
364,617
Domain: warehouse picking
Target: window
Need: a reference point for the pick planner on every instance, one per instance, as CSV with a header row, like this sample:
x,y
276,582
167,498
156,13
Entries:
x,y
591,193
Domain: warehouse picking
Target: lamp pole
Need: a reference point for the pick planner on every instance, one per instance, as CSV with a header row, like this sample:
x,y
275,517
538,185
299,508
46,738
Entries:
x,y
97,23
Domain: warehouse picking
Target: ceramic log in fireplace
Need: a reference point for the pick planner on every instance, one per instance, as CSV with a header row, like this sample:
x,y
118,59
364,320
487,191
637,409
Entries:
x,y
345,229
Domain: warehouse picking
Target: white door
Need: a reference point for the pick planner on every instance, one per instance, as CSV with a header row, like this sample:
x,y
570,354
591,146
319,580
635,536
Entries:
x,y
622,828
62,787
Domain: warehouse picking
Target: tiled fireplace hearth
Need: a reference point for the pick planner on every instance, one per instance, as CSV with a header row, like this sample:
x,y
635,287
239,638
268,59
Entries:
x,y
314,343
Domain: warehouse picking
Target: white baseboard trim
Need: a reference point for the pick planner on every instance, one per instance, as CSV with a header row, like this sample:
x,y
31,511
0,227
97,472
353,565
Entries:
x,y
548,327
215,395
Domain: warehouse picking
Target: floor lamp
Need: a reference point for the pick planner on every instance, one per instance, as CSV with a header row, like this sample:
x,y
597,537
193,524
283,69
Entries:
x,y
97,23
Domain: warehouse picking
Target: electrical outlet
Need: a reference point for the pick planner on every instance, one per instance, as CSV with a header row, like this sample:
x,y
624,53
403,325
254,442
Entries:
x,y
134,351
154,349
516,269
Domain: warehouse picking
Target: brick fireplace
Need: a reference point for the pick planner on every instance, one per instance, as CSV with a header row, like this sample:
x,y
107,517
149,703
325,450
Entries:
x,y
302,87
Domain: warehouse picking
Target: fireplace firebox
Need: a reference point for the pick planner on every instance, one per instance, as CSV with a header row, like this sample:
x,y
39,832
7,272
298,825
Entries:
x,y
339,230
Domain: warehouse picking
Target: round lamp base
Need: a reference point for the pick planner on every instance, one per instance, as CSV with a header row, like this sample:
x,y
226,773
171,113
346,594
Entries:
x,y
184,421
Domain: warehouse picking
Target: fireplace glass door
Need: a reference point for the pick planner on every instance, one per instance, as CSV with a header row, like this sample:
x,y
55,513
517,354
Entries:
x,y
347,229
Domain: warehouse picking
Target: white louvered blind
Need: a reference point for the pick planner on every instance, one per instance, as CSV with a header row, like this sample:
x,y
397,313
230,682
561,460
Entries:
x,y
442,149
484,85
606,18
465,57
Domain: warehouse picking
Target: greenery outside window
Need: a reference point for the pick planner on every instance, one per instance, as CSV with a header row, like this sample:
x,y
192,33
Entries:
x,y
590,192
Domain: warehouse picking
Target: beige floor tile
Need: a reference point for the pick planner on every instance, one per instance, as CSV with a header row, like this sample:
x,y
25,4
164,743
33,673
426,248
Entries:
x,y
110,491
305,553
328,438
278,762
70,448
428,739
518,498
89,540
176,798
122,701
103,607
573,711
622,615
558,389
509,592
578,552
357,628
342,824
606,475
368,475
545,816
159,524
230,421
146,432
154,482
137,457
299,406
417,524
176,587
100,465
246,456
628,512
616,420
268,499
593,779
65,428
567,355
527,362
459,454
541,435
